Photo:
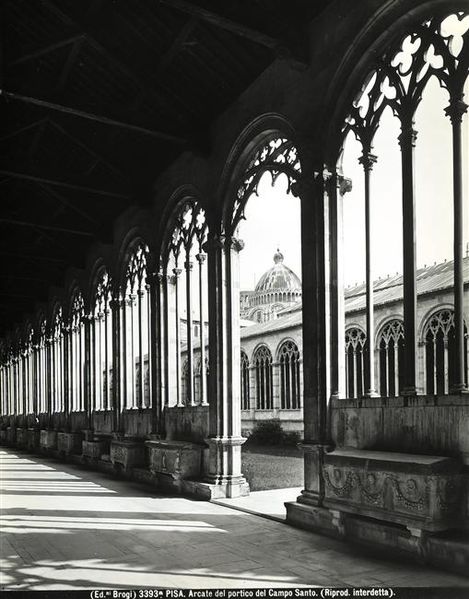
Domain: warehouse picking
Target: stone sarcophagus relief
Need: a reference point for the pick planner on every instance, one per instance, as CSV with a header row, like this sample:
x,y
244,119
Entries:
x,y
33,438
48,439
21,437
175,460
11,435
69,443
94,449
418,491
127,453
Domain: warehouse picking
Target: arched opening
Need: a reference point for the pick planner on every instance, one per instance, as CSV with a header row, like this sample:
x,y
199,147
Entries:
x,y
262,362
289,363
391,356
103,346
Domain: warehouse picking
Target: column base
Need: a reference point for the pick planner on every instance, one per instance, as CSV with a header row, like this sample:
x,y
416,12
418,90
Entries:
x,y
218,489
459,389
223,476
409,392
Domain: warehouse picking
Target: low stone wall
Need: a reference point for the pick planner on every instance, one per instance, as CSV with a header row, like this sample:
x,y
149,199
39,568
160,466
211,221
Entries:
x,y
290,420
187,424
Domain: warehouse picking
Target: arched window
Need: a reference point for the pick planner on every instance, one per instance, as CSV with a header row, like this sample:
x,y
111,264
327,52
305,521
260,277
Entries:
x,y
137,329
245,405
289,364
103,343
184,298
391,346
440,349
429,55
263,366
355,340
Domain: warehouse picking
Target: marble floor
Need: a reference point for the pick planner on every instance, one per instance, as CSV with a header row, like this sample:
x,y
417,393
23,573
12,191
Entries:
x,y
65,527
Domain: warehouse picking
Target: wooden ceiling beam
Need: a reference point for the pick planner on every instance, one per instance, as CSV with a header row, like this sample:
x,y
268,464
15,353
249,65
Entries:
x,y
92,117
131,69
64,201
42,51
223,23
33,257
22,223
65,184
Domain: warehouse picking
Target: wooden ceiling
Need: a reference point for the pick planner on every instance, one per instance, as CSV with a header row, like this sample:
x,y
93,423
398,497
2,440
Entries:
x,y
97,98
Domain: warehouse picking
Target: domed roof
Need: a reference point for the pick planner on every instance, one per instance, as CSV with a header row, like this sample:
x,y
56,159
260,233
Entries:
x,y
278,278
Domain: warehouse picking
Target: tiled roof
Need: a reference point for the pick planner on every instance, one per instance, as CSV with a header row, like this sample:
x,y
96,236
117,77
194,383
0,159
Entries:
x,y
430,278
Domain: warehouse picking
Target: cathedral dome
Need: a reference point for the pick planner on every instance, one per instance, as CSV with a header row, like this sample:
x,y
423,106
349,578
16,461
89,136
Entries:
x,y
278,278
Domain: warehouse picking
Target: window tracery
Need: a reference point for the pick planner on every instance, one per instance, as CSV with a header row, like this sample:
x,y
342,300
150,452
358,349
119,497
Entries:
x,y
262,362
390,344
439,340
277,156
289,363
103,346
355,341
245,395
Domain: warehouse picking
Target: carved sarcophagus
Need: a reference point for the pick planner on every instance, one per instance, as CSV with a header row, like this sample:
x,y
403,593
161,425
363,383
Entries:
x,y
418,491
93,449
179,459
48,439
21,437
3,436
69,443
33,438
127,453
11,435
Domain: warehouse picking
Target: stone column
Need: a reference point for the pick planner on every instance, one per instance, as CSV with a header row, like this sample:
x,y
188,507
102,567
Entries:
x,y
203,390
456,110
88,369
407,140
367,160
66,332
154,350
337,188
177,273
311,192
118,346
224,440
190,331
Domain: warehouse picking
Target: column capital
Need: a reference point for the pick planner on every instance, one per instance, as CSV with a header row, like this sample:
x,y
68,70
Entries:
x,y
177,272
234,243
188,265
367,160
344,184
201,257
456,109
303,186
408,135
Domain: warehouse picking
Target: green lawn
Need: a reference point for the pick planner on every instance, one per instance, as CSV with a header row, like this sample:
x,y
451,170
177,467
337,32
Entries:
x,y
272,467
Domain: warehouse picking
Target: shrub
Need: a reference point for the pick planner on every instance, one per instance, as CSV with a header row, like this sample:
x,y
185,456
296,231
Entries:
x,y
270,432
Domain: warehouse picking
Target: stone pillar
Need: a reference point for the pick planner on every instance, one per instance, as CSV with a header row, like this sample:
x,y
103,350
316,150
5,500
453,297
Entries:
x,y
367,160
154,351
311,193
407,140
88,369
190,331
456,109
224,473
337,188
203,387
66,332
116,305
179,402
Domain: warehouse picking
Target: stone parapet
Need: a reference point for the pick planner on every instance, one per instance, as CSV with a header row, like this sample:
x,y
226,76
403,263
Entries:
x,y
21,437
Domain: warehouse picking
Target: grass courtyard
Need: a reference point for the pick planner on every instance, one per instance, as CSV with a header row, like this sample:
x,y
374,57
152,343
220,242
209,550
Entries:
x,y
272,466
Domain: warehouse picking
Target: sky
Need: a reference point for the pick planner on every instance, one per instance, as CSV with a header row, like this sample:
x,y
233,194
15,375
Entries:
x,y
273,218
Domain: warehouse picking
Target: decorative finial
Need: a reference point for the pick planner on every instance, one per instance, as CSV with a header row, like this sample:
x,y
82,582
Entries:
x,y
278,256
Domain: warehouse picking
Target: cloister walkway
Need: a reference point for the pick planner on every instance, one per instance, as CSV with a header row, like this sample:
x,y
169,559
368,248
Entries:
x,y
64,527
